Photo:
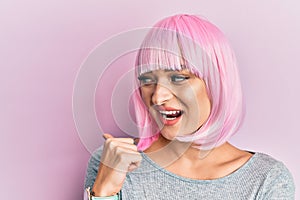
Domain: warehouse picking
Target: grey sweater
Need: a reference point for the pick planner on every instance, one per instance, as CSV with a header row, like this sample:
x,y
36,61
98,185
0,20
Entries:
x,y
262,177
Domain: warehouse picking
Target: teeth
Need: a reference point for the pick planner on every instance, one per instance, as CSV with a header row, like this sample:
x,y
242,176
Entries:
x,y
168,118
169,112
165,113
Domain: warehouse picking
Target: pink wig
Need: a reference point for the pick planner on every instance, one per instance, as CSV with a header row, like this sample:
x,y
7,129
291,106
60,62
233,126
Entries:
x,y
207,54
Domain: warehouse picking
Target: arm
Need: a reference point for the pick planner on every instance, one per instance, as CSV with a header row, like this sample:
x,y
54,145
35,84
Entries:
x,y
106,175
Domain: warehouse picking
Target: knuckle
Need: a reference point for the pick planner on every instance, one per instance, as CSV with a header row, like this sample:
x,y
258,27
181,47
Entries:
x,y
117,150
134,148
108,140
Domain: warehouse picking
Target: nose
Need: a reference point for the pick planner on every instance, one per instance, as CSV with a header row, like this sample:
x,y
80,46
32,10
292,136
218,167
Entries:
x,y
161,94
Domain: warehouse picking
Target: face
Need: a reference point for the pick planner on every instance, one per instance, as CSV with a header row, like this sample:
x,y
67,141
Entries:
x,y
177,101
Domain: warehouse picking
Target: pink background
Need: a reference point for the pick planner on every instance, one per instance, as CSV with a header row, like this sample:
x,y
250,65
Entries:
x,y
43,44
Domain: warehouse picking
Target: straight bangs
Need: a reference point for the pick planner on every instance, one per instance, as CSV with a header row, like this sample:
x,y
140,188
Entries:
x,y
160,51
189,42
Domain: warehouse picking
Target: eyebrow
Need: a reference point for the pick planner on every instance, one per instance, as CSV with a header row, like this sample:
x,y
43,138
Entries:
x,y
165,70
169,70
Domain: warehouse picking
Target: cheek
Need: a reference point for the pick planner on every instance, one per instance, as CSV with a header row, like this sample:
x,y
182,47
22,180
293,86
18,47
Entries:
x,y
188,96
203,104
196,99
146,96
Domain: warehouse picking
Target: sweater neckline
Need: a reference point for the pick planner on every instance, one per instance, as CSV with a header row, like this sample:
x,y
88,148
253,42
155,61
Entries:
x,y
237,172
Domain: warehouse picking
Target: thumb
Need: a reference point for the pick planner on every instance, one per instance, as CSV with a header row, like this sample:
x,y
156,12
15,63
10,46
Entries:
x,y
107,135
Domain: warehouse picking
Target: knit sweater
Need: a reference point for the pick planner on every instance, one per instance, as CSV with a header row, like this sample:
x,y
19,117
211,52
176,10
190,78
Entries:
x,y
261,177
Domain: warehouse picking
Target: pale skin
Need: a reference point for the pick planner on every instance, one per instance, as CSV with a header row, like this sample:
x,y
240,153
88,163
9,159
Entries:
x,y
169,89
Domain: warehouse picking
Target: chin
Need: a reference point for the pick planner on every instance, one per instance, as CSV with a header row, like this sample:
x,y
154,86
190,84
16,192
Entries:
x,y
167,135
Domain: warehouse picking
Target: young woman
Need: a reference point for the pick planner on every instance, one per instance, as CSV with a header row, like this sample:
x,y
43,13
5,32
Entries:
x,y
189,103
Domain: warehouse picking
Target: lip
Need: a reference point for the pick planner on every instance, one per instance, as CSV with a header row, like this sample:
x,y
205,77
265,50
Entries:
x,y
164,108
169,122
165,121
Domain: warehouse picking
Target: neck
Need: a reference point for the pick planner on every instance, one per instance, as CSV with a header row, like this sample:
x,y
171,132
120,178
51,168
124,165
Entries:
x,y
165,152
185,160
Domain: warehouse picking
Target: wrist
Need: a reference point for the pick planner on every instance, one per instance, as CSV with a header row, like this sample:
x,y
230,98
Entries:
x,y
92,196
101,191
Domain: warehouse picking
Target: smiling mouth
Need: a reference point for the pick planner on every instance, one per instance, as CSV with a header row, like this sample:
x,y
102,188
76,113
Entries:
x,y
170,115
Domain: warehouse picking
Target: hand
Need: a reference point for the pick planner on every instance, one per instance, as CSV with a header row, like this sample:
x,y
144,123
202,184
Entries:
x,y
119,156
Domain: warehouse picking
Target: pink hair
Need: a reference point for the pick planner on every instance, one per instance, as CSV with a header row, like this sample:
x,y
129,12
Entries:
x,y
207,54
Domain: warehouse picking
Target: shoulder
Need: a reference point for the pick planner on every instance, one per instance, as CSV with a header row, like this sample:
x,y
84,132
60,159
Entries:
x,y
95,158
277,181
96,155
264,161
268,164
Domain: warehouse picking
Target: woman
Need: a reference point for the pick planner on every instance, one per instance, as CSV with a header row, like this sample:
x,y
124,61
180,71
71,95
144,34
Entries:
x,y
188,104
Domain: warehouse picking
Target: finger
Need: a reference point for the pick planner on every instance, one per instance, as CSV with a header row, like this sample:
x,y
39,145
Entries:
x,y
131,161
108,136
133,157
123,160
122,145
133,166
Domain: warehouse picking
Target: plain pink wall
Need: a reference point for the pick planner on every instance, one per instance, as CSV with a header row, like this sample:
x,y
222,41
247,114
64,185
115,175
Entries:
x,y
44,43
